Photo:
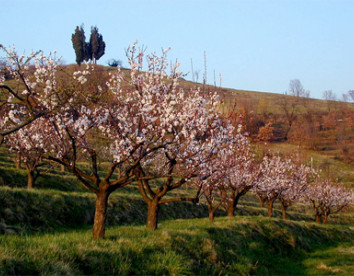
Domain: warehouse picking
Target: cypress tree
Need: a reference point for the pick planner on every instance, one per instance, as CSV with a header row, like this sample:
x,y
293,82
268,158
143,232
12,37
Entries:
x,y
97,45
79,44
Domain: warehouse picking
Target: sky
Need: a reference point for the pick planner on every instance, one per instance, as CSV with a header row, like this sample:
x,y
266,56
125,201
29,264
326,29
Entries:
x,y
255,45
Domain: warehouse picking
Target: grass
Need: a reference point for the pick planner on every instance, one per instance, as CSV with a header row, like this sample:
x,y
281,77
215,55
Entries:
x,y
55,238
242,246
333,260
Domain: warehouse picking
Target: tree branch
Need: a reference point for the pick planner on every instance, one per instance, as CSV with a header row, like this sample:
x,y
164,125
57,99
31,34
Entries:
x,y
79,175
13,93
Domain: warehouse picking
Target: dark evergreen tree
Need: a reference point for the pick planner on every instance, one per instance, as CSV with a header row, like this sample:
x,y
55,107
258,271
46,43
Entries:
x,y
88,54
96,46
79,44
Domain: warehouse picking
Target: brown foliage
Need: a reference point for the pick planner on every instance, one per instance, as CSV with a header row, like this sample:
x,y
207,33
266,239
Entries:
x,y
265,133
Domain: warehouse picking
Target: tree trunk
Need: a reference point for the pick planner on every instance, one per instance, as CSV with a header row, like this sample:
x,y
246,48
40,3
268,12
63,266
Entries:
x,y
211,210
318,218
286,133
99,223
230,210
211,215
270,207
232,204
261,201
18,161
62,168
284,207
284,211
325,219
153,212
30,179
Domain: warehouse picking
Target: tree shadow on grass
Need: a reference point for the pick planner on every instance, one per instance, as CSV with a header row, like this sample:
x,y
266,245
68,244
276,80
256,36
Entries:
x,y
237,246
275,247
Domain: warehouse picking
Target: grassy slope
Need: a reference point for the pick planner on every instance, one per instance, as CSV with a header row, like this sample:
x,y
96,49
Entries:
x,y
242,245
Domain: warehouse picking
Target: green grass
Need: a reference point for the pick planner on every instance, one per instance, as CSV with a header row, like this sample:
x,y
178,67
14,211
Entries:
x,y
55,238
335,260
241,246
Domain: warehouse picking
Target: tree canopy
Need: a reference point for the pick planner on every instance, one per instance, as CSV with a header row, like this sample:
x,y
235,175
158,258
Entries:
x,y
85,51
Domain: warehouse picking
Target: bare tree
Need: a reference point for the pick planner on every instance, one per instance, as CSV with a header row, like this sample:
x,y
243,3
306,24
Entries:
x,y
330,97
289,103
196,74
192,70
205,69
296,89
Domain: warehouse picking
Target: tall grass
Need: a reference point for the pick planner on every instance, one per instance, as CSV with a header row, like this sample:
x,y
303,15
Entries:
x,y
241,246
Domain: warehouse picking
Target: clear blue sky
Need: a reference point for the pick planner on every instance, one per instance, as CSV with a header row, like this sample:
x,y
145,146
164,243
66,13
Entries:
x,y
255,45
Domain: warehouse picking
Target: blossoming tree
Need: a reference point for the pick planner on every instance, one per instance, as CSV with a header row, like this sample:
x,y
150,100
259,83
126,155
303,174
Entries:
x,y
33,92
211,186
299,180
274,179
234,174
179,130
145,117
242,174
30,147
328,197
71,133
98,131
212,196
